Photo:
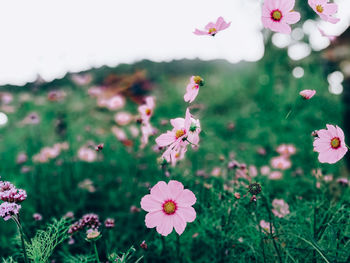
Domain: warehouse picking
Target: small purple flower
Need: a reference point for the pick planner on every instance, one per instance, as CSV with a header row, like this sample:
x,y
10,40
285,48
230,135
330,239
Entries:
x,y
37,217
9,209
109,223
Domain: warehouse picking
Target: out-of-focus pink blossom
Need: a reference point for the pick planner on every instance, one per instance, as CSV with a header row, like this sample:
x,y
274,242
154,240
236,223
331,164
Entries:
x,y
86,154
109,223
82,79
281,162
280,208
286,149
275,175
37,217
123,118
193,88
119,133
212,29
266,227
265,170
21,158
146,110
330,144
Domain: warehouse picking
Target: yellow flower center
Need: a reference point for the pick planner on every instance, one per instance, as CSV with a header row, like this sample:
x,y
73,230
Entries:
x,y
148,112
319,8
169,207
335,143
212,30
177,155
179,133
197,79
276,15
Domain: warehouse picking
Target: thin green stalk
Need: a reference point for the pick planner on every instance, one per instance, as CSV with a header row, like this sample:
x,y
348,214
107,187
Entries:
x,y
96,252
316,248
178,248
261,234
21,233
271,222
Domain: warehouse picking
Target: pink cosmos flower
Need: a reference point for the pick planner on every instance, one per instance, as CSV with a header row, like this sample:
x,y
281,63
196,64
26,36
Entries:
x,y
280,208
119,133
115,103
330,144
277,15
286,149
146,110
331,38
169,206
281,162
179,133
193,88
307,93
325,10
212,29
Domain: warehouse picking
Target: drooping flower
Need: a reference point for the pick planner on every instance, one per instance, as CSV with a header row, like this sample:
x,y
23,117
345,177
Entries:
x,y
330,144
169,206
212,29
193,88
325,10
280,208
307,93
278,15
9,209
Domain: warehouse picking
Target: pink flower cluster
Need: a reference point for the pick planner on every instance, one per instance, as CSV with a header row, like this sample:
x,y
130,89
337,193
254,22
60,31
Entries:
x,y
90,221
10,196
7,210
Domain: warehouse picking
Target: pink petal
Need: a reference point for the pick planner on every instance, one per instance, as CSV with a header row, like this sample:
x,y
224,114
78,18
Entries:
x,y
291,17
333,20
166,225
330,9
160,191
179,223
188,120
187,213
165,139
186,198
287,5
150,205
200,32
175,188
281,27
267,22
178,123
210,25
154,219
340,133
332,130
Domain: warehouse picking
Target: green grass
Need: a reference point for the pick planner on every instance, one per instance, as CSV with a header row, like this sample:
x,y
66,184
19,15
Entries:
x,y
254,96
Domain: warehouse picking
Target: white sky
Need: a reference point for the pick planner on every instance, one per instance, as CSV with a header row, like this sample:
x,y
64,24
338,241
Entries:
x,y
52,37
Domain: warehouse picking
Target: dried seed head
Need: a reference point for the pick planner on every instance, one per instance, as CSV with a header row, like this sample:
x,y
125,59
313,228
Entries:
x,y
254,188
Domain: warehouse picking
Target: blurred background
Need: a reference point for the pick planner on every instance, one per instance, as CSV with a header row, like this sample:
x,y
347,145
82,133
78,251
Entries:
x,y
61,61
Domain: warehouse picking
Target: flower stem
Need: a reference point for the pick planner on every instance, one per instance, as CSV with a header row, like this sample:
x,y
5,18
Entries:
x,y
21,233
261,234
96,252
178,246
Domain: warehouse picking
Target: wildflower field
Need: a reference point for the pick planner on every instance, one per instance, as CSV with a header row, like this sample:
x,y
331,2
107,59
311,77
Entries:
x,y
181,161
